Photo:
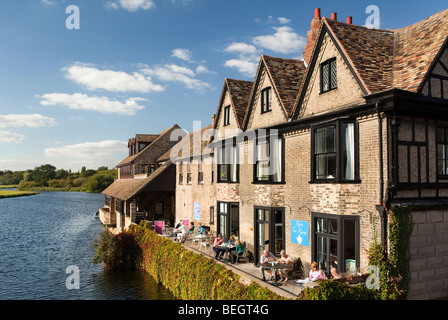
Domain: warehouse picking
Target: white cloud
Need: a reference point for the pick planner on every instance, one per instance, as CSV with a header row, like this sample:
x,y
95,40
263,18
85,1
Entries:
x,y
118,81
79,101
48,2
284,20
183,54
10,137
203,69
26,120
241,48
175,73
87,150
247,68
284,40
131,5
247,61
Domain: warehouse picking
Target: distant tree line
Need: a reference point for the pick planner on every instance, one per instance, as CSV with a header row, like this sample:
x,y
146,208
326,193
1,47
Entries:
x,y
47,177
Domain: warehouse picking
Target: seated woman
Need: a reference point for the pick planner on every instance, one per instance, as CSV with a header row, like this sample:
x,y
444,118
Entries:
x,y
191,229
234,254
315,273
218,251
287,260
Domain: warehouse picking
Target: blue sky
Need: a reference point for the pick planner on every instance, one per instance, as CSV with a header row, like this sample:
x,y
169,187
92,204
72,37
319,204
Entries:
x,y
73,97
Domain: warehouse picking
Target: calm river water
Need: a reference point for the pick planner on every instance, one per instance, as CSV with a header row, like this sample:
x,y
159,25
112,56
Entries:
x,y
42,235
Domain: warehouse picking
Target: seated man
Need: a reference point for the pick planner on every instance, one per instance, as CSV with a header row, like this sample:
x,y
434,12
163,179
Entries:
x,y
265,259
183,233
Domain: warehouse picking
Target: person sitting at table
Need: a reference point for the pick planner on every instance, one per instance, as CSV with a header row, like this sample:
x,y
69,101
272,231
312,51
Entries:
x,y
287,260
238,249
315,273
182,233
191,229
177,230
231,241
265,259
218,251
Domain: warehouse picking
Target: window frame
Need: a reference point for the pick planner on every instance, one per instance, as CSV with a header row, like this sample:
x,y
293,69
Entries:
x,y
270,179
228,166
340,237
200,173
445,145
266,105
181,173
188,173
338,124
226,120
328,63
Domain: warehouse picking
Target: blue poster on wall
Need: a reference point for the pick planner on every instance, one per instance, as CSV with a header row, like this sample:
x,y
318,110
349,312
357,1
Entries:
x,y
197,211
300,232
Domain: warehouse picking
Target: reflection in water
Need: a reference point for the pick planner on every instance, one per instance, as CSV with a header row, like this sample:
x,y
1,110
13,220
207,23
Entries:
x,y
126,285
40,236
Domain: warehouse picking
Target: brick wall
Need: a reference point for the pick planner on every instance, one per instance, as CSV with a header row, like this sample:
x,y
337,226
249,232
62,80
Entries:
x,y
429,255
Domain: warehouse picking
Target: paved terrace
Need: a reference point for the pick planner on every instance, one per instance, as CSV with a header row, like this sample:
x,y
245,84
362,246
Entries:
x,y
248,272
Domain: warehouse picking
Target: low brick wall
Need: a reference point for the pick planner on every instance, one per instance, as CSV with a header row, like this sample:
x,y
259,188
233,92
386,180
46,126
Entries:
x,y
429,255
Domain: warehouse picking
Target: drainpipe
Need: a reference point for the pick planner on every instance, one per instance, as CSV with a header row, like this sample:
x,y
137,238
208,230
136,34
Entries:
x,y
380,207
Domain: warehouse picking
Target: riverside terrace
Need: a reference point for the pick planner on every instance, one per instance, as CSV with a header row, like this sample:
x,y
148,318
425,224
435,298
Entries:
x,y
247,271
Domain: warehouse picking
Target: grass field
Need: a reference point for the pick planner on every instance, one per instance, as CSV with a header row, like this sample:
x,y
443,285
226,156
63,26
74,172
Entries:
x,y
8,187
15,193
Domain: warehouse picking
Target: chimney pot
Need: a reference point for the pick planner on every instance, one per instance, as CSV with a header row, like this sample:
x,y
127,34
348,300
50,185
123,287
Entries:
x,y
317,13
349,20
334,16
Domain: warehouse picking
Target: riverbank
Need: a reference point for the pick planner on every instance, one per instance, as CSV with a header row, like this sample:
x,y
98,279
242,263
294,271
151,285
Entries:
x,y
15,193
9,186
50,189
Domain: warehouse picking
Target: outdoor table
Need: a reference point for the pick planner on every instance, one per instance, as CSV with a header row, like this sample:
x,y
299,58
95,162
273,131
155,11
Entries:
x,y
200,238
227,249
274,267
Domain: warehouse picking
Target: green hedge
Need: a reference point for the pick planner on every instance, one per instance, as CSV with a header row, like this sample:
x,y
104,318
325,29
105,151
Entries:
x,y
189,276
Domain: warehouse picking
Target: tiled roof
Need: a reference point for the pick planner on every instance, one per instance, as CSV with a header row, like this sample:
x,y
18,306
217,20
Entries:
x,y
369,50
416,47
239,93
287,75
385,59
151,145
187,143
125,189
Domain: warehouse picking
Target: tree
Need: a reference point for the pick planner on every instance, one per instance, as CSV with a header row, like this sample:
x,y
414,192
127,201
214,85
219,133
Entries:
x,y
99,182
43,174
28,175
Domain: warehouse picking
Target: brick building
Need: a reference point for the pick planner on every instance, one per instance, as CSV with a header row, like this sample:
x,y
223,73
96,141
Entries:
x,y
310,154
145,188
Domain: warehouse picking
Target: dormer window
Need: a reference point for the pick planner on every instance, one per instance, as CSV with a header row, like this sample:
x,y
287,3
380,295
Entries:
x,y
266,100
227,115
328,75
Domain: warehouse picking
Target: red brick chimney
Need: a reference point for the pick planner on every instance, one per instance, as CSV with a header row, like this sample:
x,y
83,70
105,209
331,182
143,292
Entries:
x,y
349,20
312,36
334,16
